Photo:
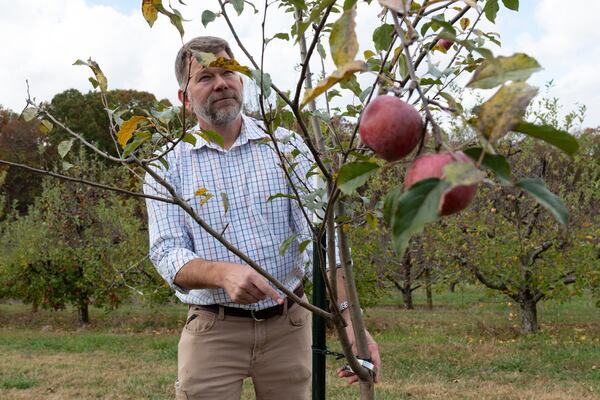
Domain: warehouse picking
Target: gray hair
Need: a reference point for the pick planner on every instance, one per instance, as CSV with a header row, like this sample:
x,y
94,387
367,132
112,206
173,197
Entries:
x,y
206,44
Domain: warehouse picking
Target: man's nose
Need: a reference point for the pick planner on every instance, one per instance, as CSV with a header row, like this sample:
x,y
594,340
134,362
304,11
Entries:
x,y
220,82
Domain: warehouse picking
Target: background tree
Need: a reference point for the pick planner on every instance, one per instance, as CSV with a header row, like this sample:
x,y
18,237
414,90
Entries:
x,y
78,245
22,142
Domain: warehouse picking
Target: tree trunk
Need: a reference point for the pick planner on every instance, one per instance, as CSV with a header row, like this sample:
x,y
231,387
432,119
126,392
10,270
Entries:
x,y
83,312
529,322
407,297
428,288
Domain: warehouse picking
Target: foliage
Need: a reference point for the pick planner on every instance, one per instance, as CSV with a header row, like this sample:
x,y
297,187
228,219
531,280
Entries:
x,y
76,245
86,113
22,142
510,245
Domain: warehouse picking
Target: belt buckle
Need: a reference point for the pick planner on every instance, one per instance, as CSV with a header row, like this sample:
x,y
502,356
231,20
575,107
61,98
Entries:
x,y
254,316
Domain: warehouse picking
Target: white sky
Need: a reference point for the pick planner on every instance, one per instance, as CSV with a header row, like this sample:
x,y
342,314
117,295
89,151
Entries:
x,y
42,38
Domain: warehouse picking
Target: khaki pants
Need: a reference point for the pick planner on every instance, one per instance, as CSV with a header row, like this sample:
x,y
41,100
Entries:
x,y
216,352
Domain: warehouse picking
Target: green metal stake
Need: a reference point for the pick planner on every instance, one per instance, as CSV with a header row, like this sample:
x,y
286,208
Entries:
x,y
319,299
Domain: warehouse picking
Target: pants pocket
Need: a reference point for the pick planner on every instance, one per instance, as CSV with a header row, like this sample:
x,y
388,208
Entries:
x,y
199,321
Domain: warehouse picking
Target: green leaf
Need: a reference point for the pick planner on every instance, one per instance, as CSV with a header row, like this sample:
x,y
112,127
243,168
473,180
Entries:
x,y
212,136
203,58
132,146
462,174
438,21
355,174
504,110
64,147
238,5
280,195
342,40
491,9
225,200
45,126
286,244
511,4
557,138
303,245
29,113
282,36
537,188
382,37
493,162
208,17
266,82
408,213
190,138
492,73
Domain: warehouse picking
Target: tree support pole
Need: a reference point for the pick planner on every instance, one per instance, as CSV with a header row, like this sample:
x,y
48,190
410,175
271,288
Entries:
x,y
319,344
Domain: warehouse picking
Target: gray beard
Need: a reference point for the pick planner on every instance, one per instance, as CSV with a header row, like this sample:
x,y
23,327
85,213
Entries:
x,y
221,115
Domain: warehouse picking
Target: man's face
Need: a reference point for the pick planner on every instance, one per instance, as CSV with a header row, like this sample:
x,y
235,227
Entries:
x,y
214,94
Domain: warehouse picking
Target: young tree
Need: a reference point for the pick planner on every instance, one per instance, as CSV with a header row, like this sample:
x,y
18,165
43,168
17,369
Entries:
x,y
76,245
408,61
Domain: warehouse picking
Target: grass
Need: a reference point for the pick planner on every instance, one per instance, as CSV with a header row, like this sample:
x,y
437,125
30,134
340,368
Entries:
x,y
468,347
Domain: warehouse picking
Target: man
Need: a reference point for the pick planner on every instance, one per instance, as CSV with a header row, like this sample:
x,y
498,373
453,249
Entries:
x,y
238,325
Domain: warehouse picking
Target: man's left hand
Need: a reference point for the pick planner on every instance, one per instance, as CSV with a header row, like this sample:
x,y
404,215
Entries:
x,y
373,355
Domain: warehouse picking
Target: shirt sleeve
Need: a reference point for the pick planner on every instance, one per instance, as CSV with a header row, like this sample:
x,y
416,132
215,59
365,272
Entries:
x,y
171,245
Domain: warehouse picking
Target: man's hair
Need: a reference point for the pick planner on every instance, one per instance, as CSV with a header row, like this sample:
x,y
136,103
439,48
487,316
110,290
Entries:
x,y
205,44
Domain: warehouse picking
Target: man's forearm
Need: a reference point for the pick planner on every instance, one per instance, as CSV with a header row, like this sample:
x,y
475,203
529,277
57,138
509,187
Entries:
x,y
200,274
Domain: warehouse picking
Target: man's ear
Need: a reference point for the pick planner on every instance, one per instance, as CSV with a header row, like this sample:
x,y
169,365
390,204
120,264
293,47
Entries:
x,y
185,101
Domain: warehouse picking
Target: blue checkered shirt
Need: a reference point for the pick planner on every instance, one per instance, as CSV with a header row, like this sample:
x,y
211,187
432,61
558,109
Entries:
x,y
245,176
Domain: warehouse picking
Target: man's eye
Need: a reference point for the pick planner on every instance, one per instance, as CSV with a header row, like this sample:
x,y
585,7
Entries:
x,y
203,78
228,73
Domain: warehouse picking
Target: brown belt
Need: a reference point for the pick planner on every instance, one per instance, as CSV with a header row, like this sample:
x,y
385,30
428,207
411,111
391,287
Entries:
x,y
258,315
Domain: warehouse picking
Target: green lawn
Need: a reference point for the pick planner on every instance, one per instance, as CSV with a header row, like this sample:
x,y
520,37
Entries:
x,y
468,347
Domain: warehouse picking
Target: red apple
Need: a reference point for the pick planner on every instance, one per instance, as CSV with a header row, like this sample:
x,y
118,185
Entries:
x,y
445,43
432,166
391,127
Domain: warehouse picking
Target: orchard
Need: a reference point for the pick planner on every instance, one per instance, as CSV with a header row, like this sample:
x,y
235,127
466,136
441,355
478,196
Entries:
x,y
390,108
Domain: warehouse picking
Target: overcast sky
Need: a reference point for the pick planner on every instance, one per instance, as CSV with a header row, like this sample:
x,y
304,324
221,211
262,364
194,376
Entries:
x,y
42,38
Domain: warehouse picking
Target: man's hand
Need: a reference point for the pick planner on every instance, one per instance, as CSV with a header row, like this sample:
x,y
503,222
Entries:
x,y
373,354
246,286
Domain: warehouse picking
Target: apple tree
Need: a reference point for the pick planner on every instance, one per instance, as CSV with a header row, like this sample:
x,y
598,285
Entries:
x,y
393,95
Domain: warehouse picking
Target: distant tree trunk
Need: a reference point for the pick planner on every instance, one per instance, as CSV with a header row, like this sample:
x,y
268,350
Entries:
x,y
529,321
428,288
407,297
407,287
453,286
83,312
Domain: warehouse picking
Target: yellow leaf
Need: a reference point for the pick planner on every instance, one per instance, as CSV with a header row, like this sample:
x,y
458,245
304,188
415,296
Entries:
x,y
206,195
368,54
149,11
504,110
342,40
464,23
102,82
201,192
343,73
127,128
231,64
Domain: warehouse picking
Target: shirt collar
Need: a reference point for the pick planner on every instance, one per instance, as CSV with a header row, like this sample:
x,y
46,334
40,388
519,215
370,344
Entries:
x,y
251,130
